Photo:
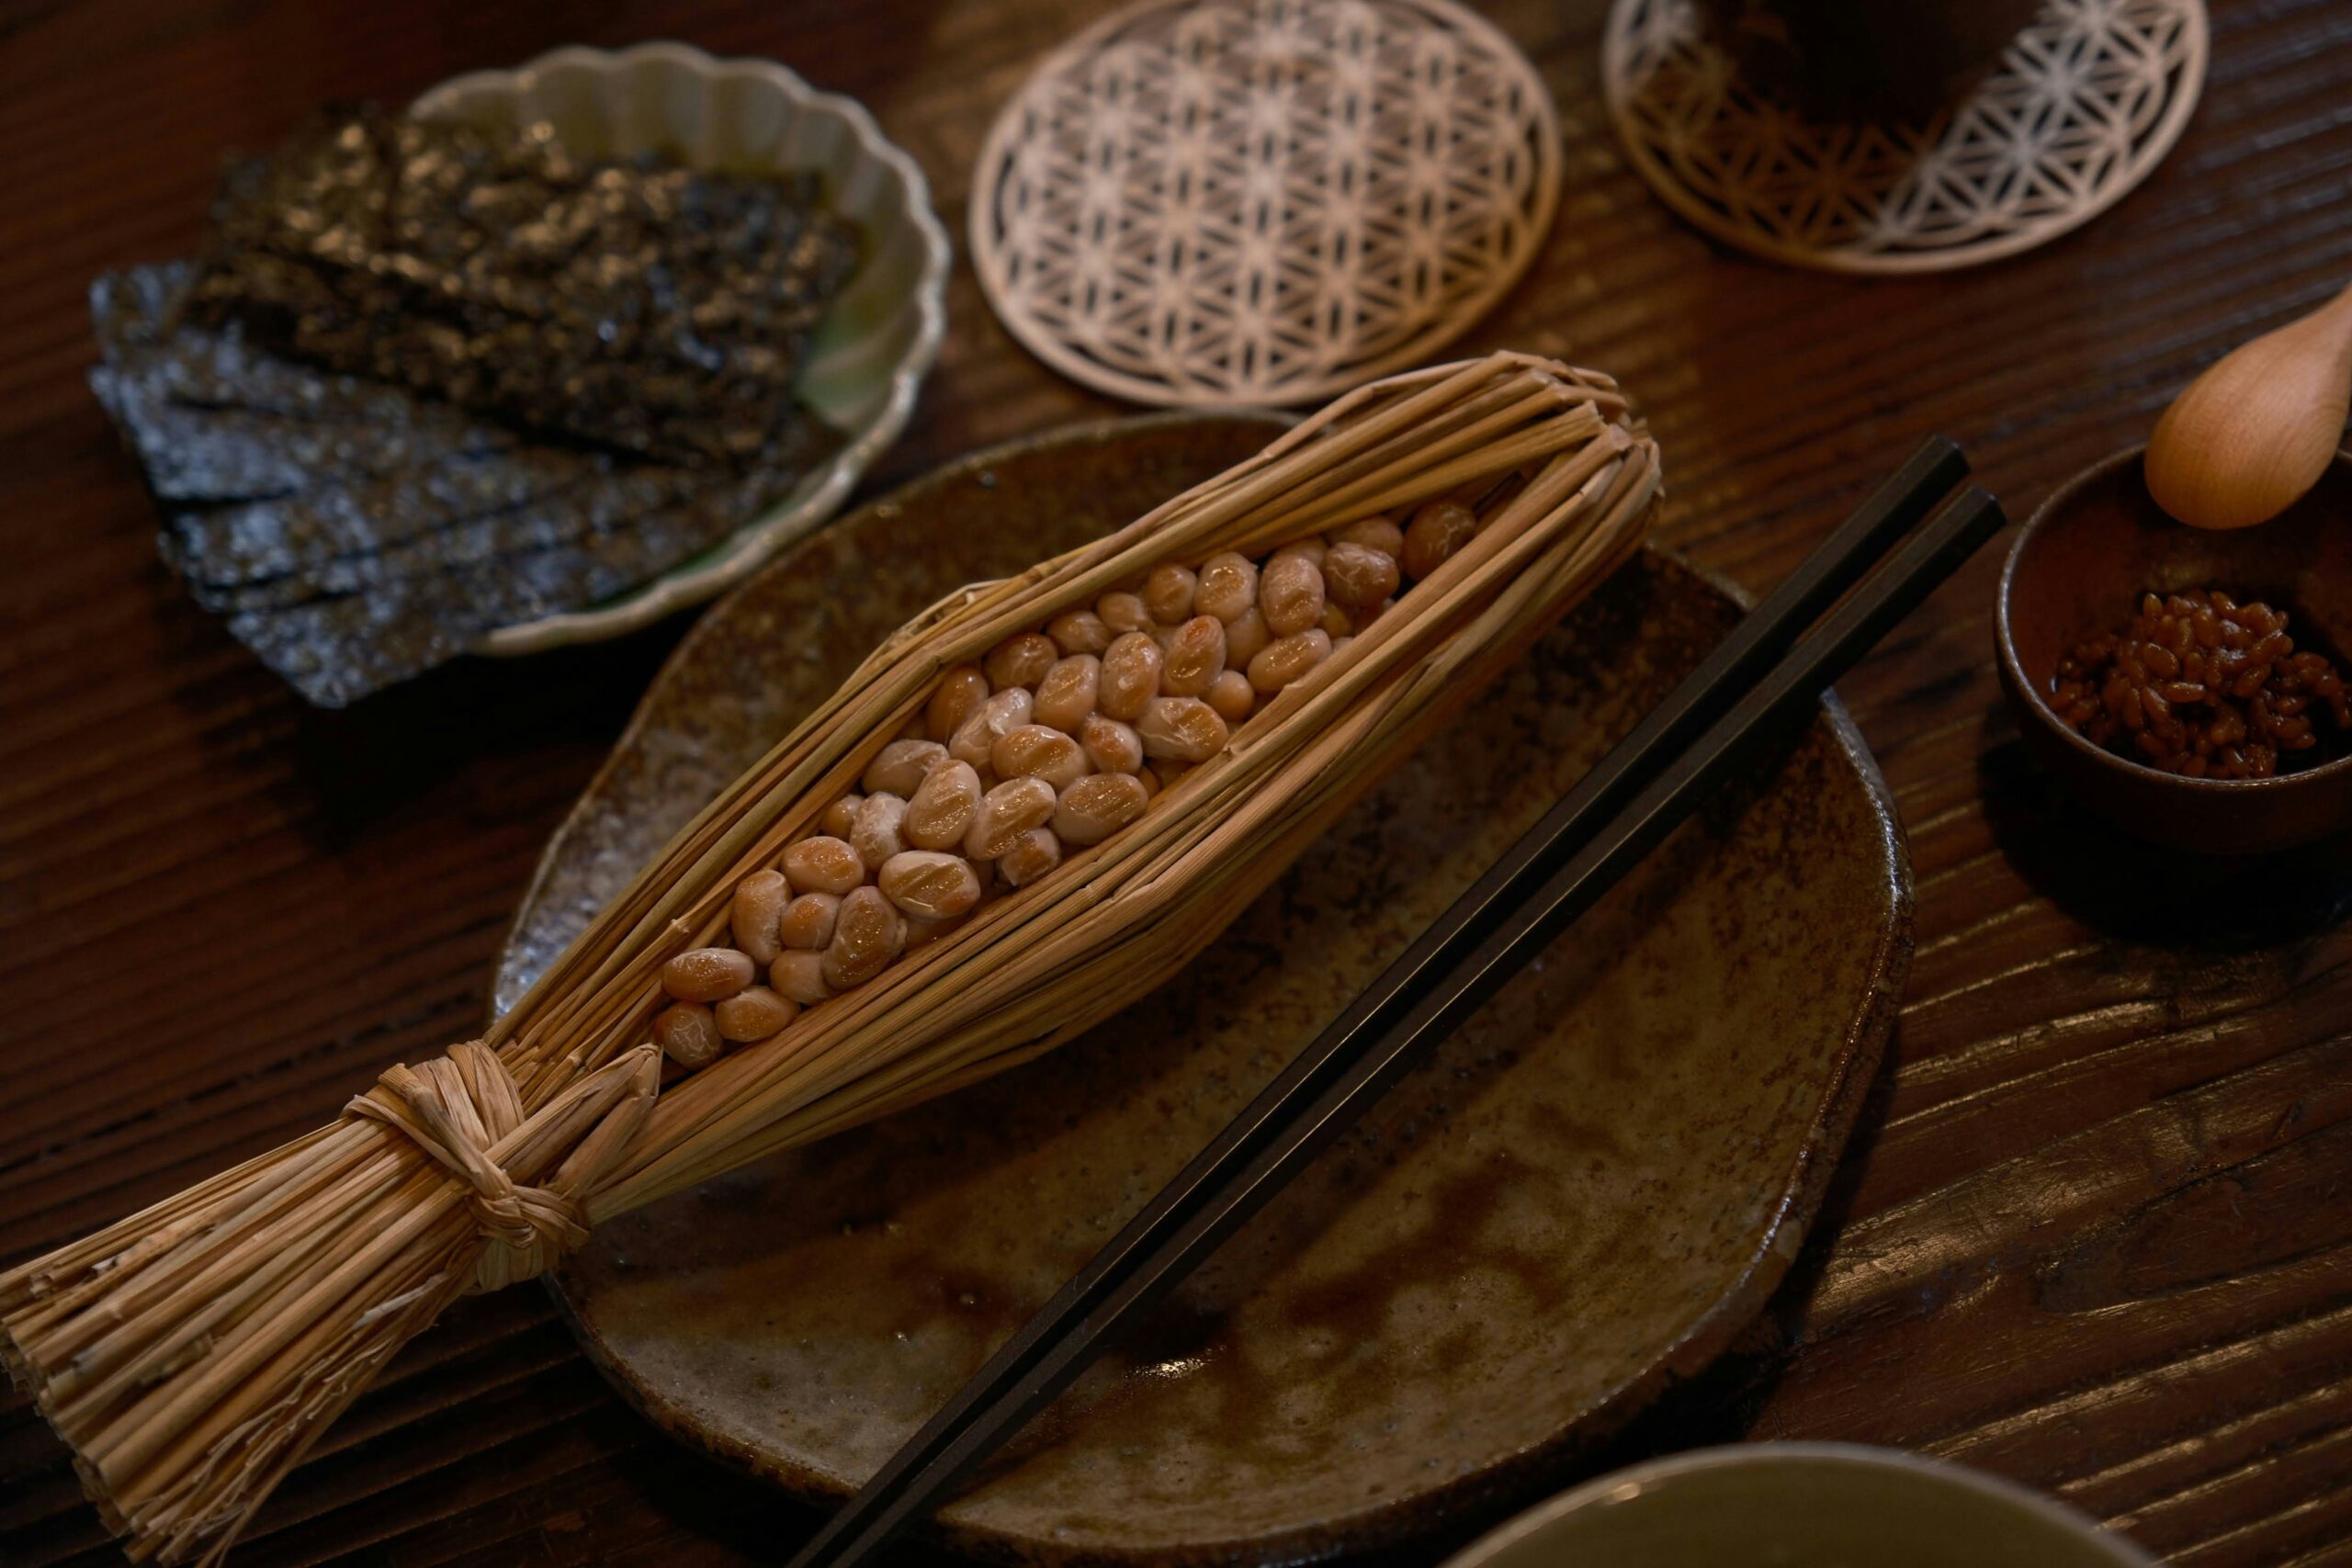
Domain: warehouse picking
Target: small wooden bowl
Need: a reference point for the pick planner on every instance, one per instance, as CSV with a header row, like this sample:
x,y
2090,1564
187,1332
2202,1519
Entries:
x,y
2080,566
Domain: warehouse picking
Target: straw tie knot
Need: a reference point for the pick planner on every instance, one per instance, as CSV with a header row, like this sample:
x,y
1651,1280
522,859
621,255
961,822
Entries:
x,y
464,1111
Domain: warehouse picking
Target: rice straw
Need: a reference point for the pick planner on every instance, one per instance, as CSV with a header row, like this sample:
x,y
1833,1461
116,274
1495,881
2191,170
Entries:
x,y
192,1353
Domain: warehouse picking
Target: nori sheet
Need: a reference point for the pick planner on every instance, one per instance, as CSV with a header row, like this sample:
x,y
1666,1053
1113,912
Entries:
x,y
356,533
428,380
640,305
219,421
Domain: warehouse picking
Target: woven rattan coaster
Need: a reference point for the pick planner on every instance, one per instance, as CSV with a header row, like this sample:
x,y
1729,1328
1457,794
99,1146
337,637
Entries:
x,y
2087,101
1263,201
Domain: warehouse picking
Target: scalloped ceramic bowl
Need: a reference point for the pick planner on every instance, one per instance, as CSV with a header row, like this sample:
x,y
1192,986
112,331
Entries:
x,y
874,346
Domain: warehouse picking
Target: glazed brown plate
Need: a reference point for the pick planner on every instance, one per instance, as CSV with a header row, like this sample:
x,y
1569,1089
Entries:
x,y
1585,1196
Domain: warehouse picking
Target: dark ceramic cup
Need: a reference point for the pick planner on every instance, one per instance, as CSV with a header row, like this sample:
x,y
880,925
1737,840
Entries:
x,y
1852,59
2080,566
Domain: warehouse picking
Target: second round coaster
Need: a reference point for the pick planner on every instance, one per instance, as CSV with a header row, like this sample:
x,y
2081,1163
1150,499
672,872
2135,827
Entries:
x,y
1263,201
2082,106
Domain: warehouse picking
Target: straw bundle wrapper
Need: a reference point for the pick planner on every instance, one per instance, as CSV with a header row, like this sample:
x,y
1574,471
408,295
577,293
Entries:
x,y
192,1353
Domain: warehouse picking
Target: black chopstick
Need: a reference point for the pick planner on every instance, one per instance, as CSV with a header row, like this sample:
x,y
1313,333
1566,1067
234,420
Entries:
x,y
1739,699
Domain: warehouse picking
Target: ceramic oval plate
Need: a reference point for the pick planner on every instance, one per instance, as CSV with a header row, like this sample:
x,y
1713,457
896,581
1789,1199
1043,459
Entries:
x,y
1586,1195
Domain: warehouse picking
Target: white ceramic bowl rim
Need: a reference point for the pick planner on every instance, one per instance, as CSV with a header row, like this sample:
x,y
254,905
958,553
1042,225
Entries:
x,y
1745,1456
820,492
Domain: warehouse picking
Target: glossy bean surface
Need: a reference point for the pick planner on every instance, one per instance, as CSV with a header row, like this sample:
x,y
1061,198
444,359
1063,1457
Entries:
x,y
1123,612
824,865
1030,856
1377,532
1244,636
1068,691
869,933
1232,695
1439,528
1280,663
1006,812
1111,744
900,767
1358,575
1095,807
841,816
940,812
1168,593
807,921
1020,660
1290,595
1040,751
707,974
1130,675
1005,710
1194,657
801,975
1184,728
880,830
758,905
930,883
960,690
1078,631
1227,586
756,1014
688,1035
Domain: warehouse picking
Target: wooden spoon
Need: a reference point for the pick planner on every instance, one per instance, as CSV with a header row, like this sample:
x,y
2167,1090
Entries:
x,y
2250,437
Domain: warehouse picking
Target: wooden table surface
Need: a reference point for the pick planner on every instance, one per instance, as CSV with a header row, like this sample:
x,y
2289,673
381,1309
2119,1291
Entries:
x,y
2095,1233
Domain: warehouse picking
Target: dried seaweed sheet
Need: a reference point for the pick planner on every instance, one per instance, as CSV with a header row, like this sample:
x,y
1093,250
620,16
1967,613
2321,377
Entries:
x,y
337,650
660,309
212,420
356,533
429,380
580,542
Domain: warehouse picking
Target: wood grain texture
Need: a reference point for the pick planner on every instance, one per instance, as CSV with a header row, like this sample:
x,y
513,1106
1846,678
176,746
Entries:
x,y
2096,1232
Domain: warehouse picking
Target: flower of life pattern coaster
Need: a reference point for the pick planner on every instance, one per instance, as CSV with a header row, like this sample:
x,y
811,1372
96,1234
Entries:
x,y
1263,201
2084,103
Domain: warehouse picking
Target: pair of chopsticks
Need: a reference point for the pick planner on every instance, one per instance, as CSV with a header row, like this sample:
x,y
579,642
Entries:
x,y
1758,685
